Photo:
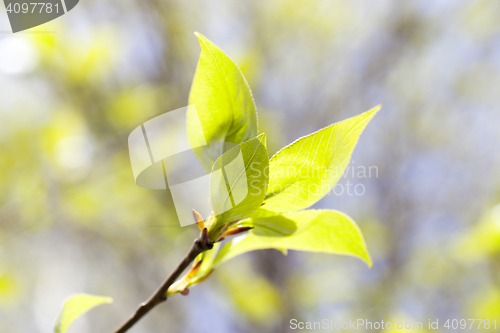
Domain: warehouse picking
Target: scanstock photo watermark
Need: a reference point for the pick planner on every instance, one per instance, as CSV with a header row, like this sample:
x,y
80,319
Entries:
x,y
467,325
26,14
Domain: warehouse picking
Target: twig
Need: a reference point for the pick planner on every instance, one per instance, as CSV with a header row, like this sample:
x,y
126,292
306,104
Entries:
x,y
201,244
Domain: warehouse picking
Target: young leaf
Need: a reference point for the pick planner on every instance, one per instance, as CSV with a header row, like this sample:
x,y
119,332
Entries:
x,y
224,105
308,230
76,306
201,274
238,183
306,170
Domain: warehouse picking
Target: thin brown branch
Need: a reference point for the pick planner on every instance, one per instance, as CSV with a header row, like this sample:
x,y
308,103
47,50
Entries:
x,y
201,244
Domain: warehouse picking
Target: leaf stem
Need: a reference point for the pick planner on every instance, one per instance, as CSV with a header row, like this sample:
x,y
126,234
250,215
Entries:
x,y
201,244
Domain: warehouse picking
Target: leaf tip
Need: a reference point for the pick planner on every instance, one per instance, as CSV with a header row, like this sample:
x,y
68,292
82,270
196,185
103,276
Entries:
x,y
367,116
202,39
369,262
376,109
365,256
262,139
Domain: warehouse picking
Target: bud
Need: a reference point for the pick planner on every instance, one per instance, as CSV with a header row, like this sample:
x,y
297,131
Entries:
x,y
199,220
235,231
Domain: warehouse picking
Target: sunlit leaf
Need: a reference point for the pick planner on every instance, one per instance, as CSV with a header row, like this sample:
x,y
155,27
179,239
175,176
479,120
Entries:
x,y
224,106
309,230
239,180
306,170
76,306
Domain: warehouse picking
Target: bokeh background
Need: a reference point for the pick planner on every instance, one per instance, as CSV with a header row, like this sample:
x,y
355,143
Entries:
x,y
72,219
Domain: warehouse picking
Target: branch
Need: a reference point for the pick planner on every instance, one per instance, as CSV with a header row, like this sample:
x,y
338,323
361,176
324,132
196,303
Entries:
x,y
201,244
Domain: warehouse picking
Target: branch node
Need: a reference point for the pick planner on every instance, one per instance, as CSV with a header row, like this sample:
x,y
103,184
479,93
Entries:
x,y
203,243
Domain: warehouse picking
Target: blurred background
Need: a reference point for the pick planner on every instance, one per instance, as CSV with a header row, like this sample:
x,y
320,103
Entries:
x,y
72,219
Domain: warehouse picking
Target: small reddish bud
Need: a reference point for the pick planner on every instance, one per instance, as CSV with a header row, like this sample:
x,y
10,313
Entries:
x,y
185,292
235,231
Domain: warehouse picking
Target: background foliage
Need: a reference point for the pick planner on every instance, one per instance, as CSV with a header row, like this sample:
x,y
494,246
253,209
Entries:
x,y
72,220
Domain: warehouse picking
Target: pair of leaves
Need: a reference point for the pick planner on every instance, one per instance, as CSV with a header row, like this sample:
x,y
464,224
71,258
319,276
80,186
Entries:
x,y
299,174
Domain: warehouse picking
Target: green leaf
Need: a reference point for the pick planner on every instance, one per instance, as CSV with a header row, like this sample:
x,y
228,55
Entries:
x,y
238,183
76,306
326,231
224,110
306,170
